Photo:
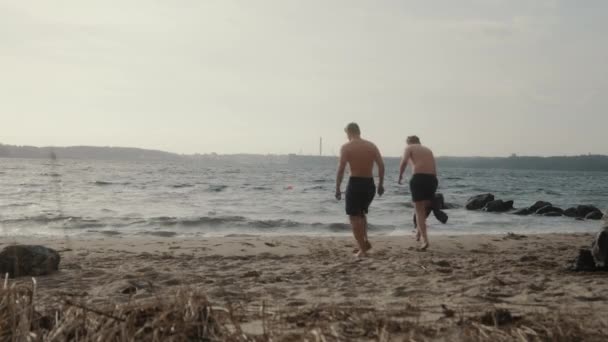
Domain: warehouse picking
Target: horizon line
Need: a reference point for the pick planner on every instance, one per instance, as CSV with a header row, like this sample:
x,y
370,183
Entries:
x,y
289,154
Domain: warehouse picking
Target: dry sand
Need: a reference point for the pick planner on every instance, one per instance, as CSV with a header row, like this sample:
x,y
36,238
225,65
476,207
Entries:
x,y
458,277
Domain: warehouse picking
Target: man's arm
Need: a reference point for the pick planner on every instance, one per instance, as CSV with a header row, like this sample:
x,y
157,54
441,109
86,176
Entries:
x,y
340,173
404,161
380,162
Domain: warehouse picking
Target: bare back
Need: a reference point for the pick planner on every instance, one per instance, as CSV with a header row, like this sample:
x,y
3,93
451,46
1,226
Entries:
x,y
422,159
361,155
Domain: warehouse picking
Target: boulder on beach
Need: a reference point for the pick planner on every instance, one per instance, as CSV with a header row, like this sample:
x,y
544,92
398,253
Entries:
x,y
599,248
523,212
498,206
584,262
25,260
539,205
595,259
553,214
549,209
479,201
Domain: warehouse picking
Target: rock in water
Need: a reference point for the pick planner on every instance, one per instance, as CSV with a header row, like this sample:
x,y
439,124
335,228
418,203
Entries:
x,y
549,209
22,260
571,212
479,201
523,212
498,206
594,215
538,205
584,210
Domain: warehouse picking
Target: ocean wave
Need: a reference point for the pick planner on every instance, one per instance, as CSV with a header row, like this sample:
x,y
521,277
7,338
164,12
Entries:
x,y
261,188
217,188
194,222
280,223
53,174
177,224
318,187
105,183
185,185
16,205
159,233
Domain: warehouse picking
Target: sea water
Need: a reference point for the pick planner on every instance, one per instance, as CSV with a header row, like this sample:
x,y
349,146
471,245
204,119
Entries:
x,y
263,196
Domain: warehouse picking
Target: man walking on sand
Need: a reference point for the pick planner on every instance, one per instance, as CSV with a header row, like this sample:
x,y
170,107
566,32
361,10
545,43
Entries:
x,y
423,183
360,155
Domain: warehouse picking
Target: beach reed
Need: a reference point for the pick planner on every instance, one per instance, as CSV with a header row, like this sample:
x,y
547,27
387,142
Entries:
x,y
187,315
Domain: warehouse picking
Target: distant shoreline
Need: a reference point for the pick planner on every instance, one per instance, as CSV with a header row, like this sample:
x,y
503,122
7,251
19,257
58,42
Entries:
x,y
555,163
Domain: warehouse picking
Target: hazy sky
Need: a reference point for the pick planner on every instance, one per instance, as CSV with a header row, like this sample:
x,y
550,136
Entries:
x,y
470,77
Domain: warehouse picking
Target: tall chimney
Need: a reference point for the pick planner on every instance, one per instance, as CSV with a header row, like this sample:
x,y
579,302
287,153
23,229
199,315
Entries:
x,y
321,146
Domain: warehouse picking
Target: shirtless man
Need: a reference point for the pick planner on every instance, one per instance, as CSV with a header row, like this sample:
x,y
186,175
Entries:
x,y
423,183
360,155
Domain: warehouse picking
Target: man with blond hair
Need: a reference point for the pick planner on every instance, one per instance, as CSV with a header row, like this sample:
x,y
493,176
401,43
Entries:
x,y
360,155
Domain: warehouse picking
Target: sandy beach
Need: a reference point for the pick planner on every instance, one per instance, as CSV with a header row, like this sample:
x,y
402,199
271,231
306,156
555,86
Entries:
x,y
294,283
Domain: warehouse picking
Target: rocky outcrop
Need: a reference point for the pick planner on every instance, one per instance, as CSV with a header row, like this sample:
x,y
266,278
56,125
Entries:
x,y
523,212
479,202
498,206
24,260
584,210
594,215
550,209
488,203
539,205
571,212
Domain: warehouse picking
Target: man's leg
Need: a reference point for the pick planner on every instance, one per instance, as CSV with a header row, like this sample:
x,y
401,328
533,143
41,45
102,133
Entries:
x,y
421,208
368,245
358,224
428,213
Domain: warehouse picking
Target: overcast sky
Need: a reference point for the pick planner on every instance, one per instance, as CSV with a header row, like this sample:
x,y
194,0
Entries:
x,y
470,77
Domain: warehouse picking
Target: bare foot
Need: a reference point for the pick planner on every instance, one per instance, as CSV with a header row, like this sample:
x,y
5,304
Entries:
x,y
361,255
418,235
424,246
368,246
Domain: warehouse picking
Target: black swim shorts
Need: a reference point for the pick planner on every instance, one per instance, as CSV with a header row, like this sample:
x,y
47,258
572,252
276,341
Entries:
x,y
359,195
423,187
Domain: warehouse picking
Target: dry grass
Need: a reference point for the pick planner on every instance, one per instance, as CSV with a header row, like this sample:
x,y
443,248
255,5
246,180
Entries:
x,y
187,315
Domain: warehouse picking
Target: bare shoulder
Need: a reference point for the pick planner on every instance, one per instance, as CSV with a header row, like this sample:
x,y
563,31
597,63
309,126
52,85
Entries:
x,y
345,147
409,149
371,145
